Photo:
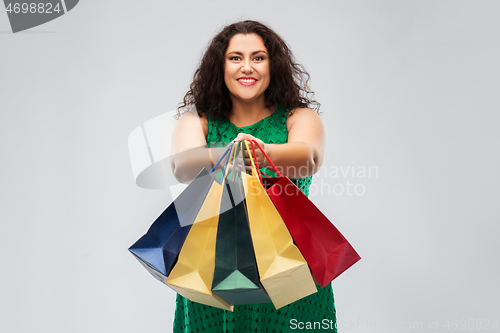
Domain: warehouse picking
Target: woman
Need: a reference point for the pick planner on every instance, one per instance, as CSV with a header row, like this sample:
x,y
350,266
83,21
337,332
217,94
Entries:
x,y
248,87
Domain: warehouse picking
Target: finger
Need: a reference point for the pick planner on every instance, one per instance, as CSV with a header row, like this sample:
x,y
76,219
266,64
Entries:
x,y
258,156
260,145
238,161
248,159
243,136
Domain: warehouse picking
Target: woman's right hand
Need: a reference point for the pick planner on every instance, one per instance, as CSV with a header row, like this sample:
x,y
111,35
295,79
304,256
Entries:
x,y
257,155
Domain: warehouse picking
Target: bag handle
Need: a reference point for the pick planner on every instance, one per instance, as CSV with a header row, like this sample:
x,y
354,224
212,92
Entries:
x,y
238,150
232,156
242,158
229,150
254,168
267,157
220,160
257,163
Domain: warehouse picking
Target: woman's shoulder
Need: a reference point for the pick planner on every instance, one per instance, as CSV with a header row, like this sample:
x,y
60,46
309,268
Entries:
x,y
193,121
301,116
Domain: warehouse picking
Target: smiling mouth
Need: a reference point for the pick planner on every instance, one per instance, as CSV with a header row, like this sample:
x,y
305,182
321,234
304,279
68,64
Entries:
x,y
247,80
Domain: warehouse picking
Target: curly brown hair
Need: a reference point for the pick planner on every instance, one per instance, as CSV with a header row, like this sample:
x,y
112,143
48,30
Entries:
x,y
289,84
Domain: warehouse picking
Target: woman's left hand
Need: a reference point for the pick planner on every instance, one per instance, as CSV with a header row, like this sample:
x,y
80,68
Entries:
x,y
261,159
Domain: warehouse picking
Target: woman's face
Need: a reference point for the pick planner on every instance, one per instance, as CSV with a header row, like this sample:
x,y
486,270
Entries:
x,y
246,69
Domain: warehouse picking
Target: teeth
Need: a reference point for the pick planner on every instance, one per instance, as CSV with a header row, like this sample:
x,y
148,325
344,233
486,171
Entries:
x,y
247,80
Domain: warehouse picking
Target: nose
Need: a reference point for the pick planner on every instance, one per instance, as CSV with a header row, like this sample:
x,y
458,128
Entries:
x,y
247,67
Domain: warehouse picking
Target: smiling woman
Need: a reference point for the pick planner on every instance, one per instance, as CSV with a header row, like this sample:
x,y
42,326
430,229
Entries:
x,y
248,86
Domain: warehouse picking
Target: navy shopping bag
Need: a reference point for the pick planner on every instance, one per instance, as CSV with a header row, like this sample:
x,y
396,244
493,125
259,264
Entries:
x,y
158,249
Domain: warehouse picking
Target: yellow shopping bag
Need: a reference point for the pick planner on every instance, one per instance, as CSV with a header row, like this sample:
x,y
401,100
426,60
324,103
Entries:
x,y
283,271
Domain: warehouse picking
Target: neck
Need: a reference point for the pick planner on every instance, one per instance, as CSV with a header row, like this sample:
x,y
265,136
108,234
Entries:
x,y
248,113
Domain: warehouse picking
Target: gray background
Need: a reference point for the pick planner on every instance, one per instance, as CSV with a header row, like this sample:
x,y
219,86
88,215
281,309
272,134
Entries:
x,y
410,87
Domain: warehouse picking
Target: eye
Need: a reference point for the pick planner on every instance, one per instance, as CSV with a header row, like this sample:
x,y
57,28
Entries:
x,y
235,58
259,58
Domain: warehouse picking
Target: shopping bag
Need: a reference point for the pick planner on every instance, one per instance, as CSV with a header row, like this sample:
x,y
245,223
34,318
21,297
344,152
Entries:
x,y
158,249
283,270
325,249
236,279
192,275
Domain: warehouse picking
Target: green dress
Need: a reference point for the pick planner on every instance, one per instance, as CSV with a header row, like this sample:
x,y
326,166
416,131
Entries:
x,y
316,311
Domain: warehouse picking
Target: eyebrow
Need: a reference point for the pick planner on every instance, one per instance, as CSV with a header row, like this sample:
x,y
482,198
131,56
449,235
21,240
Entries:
x,y
253,53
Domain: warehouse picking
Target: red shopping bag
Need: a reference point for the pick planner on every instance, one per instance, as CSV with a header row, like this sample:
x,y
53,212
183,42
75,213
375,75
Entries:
x,y
325,249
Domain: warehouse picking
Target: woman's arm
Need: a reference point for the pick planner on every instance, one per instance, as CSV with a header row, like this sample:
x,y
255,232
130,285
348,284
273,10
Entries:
x,y
302,156
189,148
